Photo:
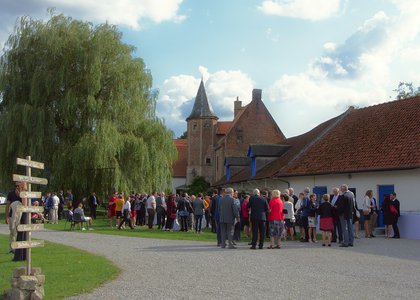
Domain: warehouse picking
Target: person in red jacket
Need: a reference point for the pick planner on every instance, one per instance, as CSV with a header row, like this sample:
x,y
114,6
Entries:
x,y
276,218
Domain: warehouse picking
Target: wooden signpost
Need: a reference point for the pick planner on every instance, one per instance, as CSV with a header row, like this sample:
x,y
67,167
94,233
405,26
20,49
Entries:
x,y
28,208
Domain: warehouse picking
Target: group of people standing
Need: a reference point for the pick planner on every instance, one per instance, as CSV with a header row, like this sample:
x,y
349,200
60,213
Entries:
x,y
278,216
142,209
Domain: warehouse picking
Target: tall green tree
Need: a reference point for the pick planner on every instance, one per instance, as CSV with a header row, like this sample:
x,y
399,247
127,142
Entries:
x,y
73,96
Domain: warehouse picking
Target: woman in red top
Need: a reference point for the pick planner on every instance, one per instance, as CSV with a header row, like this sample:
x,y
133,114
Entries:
x,y
171,212
111,208
275,218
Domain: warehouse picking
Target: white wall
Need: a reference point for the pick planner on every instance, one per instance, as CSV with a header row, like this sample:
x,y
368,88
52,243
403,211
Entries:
x,y
406,184
178,181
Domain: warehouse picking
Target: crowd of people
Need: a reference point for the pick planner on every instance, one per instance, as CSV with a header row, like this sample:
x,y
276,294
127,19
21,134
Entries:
x,y
283,215
274,215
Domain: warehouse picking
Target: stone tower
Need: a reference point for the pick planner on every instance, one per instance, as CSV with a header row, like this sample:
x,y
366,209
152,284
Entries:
x,y
201,126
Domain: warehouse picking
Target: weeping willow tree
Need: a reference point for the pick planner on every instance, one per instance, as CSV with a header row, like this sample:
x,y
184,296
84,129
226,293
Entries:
x,y
73,96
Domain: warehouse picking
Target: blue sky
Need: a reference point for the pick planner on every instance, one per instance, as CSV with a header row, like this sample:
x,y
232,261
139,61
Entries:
x,y
311,58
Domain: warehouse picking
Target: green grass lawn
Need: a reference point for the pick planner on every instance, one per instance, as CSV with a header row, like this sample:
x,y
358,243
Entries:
x,y
68,271
101,225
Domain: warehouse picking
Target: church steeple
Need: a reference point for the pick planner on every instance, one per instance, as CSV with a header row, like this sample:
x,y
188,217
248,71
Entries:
x,y
202,107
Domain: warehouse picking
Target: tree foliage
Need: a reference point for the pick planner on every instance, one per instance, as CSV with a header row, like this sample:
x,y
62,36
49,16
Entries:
x,y
198,185
406,90
184,135
73,96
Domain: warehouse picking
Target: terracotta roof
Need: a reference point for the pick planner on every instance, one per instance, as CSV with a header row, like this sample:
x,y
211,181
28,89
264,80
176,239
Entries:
x,y
223,127
297,144
179,168
379,137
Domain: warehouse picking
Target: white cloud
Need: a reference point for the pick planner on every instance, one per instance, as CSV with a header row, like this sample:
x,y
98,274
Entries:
x,y
330,47
122,12
382,49
130,13
302,9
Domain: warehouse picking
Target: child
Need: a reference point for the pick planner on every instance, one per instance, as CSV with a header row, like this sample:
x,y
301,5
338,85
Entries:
x,y
326,223
312,218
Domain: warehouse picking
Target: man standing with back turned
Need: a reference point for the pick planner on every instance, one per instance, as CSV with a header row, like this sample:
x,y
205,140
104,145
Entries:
x,y
228,213
259,210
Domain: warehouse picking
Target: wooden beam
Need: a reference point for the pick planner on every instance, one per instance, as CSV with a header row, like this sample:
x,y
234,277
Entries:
x,y
29,209
27,244
30,163
35,195
30,179
29,227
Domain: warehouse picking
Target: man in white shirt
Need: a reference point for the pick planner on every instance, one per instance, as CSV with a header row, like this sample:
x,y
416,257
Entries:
x,y
54,209
151,209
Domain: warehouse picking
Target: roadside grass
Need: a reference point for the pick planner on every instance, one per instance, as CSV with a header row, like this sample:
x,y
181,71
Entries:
x,y
68,271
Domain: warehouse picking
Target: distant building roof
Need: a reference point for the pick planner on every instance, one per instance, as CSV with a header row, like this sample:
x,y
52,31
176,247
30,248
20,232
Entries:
x,y
202,107
375,138
179,168
237,161
223,127
265,150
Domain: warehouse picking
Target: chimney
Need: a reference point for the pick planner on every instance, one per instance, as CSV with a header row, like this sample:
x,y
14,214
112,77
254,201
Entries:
x,y
237,107
256,94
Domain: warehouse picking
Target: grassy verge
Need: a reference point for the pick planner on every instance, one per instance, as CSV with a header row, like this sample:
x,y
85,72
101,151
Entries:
x,y
68,271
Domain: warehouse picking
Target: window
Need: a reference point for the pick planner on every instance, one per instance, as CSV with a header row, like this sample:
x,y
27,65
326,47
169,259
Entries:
x,y
194,127
208,161
206,125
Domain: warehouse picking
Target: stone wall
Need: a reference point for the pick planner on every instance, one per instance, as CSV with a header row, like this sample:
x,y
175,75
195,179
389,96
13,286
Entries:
x,y
26,287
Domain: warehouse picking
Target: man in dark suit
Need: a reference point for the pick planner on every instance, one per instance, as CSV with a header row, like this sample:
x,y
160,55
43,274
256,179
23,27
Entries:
x,y
304,209
345,209
93,204
396,203
259,208
228,213
335,199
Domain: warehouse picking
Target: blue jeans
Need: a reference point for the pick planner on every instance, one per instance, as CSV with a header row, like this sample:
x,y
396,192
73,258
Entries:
x,y
347,229
198,221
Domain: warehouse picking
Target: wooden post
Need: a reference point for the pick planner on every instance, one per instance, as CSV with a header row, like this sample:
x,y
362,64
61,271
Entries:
x,y
27,208
28,219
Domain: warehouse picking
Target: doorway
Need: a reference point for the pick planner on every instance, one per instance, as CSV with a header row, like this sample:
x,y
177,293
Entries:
x,y
383,194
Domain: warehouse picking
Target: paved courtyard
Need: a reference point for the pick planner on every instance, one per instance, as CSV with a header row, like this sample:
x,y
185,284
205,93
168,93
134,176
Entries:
x,y
156,269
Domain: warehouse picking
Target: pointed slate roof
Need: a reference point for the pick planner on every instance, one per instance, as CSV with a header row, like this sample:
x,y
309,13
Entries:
x,y
202,107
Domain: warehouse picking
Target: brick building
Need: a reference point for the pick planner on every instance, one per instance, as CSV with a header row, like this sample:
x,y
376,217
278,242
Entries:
x,y
211,142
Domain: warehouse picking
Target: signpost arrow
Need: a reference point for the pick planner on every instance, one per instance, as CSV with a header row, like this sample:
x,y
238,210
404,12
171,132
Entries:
x,y
36,195
30,179
29,209
30,163
29,227
27,244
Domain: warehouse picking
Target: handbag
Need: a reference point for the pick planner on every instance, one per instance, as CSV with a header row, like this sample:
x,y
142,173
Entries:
x,y
393,210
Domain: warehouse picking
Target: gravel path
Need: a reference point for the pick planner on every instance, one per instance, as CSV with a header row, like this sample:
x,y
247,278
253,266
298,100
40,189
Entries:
x,y
157,269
